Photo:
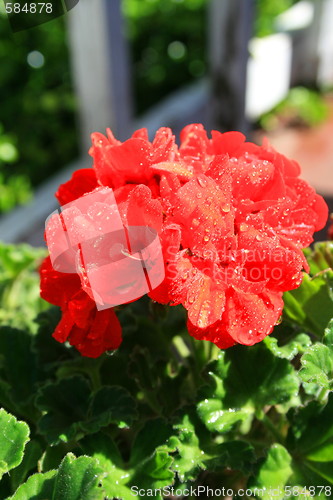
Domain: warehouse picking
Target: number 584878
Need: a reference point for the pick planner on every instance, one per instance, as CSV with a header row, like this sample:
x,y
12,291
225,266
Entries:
x,y
28,8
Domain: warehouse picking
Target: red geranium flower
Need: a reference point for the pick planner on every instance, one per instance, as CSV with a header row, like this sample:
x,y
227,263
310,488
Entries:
x,y
92,332
232,218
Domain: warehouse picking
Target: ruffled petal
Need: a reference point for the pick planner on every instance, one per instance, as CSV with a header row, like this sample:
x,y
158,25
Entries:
x,y
83,181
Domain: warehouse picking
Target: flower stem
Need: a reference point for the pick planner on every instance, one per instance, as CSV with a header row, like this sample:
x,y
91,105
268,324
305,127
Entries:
x,y
270,426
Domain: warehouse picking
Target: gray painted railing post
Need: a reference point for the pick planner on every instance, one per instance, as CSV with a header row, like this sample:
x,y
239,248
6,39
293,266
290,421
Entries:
x,y
100,67
119,68
230,23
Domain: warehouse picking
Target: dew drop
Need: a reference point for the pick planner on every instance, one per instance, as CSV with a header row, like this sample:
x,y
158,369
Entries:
x,y
202,182
226,208
206,238
243,227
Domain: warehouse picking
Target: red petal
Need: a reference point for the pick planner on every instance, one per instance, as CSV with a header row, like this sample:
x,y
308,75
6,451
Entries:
x,y
214,333
64,327
197,289
248,318
142,210
57,288
142,133
83,181
104,335
227,143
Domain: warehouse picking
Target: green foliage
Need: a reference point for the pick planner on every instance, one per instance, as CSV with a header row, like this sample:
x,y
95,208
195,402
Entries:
x,y
14,189
266,13
168,46
37,108
76,479
309,307
301,107
14,436
19,284
274,471
166,411
72,410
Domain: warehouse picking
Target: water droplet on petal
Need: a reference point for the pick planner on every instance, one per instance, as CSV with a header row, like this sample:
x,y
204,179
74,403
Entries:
x,y
202,181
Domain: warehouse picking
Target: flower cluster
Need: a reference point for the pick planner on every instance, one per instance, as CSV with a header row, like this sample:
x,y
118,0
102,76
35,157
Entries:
x,y
232,218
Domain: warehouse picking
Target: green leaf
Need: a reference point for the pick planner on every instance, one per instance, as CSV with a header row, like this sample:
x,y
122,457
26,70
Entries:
x,y
296,345
13,438
238,389
190,457
116,481
111,405
155,472
78,479
317,361
14,259
32,454
149,465
19,364
66,404
310,439
37,487
20,299
317,366
72,410
328,336
160,379
323,453
218,418
310,305
48,350
152,435
236,455
312,426
194,450
273,473
320,258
